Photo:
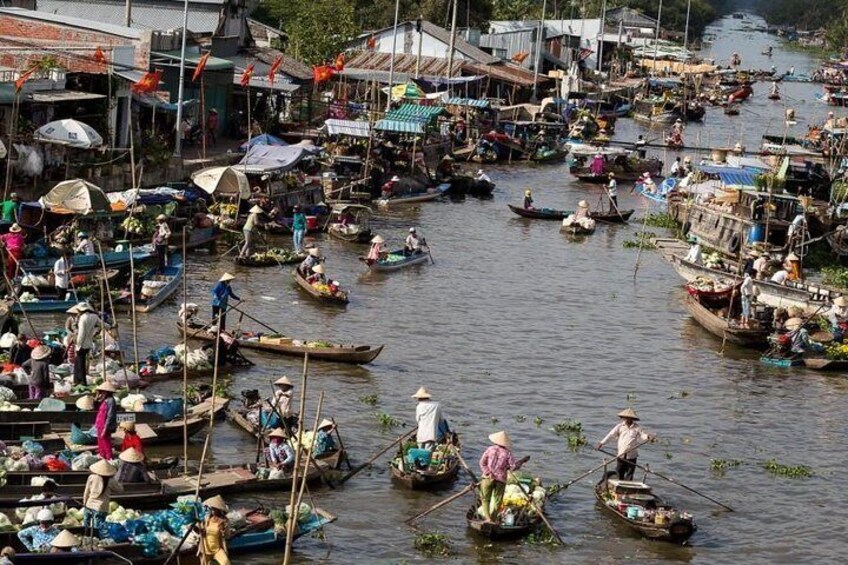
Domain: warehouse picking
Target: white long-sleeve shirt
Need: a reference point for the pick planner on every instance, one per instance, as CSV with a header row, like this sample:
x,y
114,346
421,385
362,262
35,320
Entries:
x,y
60,271
87,325
628,438
747,288
428,414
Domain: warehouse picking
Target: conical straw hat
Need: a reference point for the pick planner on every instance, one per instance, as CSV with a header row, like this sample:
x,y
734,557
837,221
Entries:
x,y
65,539
501,438
284,380
421,394
103,468
131,455
216,502
628,413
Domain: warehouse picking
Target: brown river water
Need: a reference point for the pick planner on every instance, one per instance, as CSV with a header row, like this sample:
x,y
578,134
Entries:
x,y
516,324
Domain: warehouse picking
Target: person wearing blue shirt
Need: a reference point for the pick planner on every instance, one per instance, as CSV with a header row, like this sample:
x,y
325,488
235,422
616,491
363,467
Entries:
x,y
40,536
280,453
221,293
299,229
323,442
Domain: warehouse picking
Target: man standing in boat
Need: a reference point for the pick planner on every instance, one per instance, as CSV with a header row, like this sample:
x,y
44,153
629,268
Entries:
x,y
221,293
629,435
432,426
161,235
612,192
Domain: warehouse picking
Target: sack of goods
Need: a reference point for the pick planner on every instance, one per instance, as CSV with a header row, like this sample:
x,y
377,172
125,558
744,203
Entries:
x,y
149,289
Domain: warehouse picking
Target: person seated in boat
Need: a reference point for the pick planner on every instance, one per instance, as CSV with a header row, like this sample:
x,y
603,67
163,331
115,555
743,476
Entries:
x,y
334,287
495,463
800,338
149,367
131,438
279,453
20,351
792,265
648,185
775,90
317,276
131,469
432,426
378,251
445,170
761,266
482,177
389,188
275,407
38,369
323,442
528,200
312,259
7,554
413,243
84,244
65,542
837,317
781,276
40,536
582,210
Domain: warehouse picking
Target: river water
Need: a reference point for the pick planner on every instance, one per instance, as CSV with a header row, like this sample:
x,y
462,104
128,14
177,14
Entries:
x,y
518,327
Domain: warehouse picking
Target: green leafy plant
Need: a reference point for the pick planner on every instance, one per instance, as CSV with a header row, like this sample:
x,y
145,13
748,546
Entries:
x,y
386,420
661,220
520,418
433,545
575,442
835,276
567,427
542,537
369,399
720,466
538,421
643,240
792,472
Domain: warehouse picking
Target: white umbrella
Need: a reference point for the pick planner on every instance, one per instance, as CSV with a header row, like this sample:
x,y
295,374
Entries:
x,y
223,180
78,196
3,151
69,132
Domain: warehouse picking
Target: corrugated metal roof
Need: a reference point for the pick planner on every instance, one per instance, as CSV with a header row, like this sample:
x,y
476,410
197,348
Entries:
x,y
212,63
399,126
414,113
63,96
347,127
473,103
68,15
146,14
505,72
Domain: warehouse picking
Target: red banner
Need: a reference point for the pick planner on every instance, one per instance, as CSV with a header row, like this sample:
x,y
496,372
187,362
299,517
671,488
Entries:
x,y
247,75
148,83
272,72
19,84
99,56
322,73
340,62
201,64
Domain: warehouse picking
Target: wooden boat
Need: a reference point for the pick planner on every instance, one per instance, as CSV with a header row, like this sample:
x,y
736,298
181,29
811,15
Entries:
x,y
89,263
357,228
577,229
781,362
674,527
326,297
44,305
612,217
480,188
163,490
427,196
500,531
281,345
555,155
825,364
171,275
271,258
197,238
422,479
390,266
718,326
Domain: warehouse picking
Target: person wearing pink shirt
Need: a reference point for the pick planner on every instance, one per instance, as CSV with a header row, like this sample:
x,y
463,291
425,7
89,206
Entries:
x,y
14,242
495,463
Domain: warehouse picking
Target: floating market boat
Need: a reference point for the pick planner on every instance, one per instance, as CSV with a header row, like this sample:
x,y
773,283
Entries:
x,y
518,515
89,263
634,504
350,222
620,217
415,197
272,258
282,345
577,229
719,326
320,295
197,238
155,287
825,364
781,362
421,469
548,155
396,260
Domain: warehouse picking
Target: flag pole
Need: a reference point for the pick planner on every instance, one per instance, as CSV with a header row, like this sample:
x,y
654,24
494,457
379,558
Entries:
x,y
15,107
392,60
178,143
203,112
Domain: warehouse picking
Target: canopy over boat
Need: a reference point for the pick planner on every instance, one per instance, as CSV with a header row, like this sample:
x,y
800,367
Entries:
x,y
77,196
222,180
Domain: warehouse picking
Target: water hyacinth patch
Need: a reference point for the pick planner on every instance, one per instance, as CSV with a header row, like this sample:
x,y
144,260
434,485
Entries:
x,y
433,545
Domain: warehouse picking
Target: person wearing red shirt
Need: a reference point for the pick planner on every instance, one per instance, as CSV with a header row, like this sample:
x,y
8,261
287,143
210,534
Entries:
x,y
131,438
14,242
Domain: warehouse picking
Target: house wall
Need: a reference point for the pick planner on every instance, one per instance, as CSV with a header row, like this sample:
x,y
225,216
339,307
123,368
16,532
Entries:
x,y
407,42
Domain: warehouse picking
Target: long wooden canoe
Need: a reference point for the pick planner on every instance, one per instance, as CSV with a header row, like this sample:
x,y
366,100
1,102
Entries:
x,y
388,267
613,217
422,480
326,297
339,353
88,263
172,275
825,364
718,326
414,198
495,531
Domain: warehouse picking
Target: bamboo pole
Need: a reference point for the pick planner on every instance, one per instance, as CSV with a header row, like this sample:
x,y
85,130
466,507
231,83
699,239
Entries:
x,y
114,320
211,415
292,519
16,107
132,302
185,359
310,459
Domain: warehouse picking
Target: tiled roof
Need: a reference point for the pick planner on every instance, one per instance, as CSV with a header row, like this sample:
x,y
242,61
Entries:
x,y
71,18
289,66
404,64
146,14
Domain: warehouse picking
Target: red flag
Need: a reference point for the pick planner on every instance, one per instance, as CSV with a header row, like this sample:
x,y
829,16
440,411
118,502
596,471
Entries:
x,y
99,56
19,84
372,43
247,75
148,83
322,73
340,62
272,72
520,56
201,64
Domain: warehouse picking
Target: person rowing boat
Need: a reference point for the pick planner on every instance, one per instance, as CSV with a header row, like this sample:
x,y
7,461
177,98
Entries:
x,y
413,243
497,461
311,260
629,434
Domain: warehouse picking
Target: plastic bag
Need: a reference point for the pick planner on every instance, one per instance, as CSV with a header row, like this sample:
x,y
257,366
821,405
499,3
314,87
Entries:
x,y
6,393
79,437
83,462
33,448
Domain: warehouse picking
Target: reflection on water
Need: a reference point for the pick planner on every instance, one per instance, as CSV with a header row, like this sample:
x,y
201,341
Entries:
x,y
516,323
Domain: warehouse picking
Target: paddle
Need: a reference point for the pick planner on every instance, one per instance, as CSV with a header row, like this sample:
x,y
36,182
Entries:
x,y
593,469
260,322
444,502
341,444
356,470
541,512
430,253
672,481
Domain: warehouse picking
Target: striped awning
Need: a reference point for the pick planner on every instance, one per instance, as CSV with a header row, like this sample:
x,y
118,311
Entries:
x,y
415,113
470,102
738,178
347,127
399,126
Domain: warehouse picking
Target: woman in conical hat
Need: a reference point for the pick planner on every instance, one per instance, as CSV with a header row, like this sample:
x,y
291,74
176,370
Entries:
x,y
324,443
215,526
630,436
495,464
98,493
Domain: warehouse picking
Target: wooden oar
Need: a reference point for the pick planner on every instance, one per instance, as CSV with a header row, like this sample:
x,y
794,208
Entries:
x,y
593,469
260,322
672,481
341,444
540,511
444,502
357,469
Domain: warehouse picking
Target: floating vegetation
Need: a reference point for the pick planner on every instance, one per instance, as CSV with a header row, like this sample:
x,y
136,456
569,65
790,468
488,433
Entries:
x,y
661,220
793,472
720,466
575,442
835,276
643,240
542,537
520,418
386,420
369,399
495,420
433,545
538,421
568,427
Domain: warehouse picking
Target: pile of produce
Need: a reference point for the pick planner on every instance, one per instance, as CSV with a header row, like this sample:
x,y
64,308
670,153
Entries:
x,y
713,260
426,461
276,254
135,225
394,258
522,496
837,351
706,284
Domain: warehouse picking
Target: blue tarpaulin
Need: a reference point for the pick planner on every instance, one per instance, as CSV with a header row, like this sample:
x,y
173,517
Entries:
x,y
263,139
272,158
739,177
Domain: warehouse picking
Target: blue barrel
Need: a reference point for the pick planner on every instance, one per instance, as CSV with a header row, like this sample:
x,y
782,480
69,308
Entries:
x,y
757,233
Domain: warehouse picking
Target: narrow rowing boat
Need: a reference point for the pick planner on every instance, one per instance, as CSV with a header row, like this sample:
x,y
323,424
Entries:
x,y
634,504
719,326
427,476
281,345
270,258
825,364
611,217
396,260
430,194
159,285
89,263
501,531
341,297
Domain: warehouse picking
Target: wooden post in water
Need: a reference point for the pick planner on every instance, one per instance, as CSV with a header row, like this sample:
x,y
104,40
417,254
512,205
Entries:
x,y
114,320
211,412
185,358
132,315
308,460
291,522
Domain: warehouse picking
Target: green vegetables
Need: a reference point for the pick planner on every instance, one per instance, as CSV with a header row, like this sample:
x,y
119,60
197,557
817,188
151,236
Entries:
x,y
573,432
792,472
643,240
835,276
433,545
